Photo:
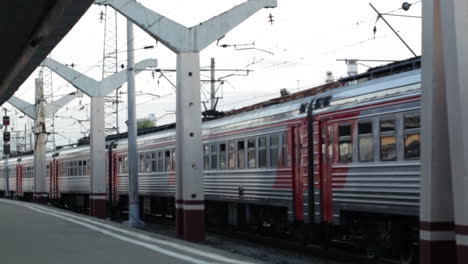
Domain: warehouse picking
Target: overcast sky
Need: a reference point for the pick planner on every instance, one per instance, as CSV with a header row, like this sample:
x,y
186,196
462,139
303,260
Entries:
x,y
304,42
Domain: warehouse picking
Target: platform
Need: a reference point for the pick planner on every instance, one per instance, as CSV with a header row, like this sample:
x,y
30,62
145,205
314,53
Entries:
x,y
33,233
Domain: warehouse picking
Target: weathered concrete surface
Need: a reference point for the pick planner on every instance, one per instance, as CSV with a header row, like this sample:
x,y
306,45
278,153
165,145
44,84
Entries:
x,y
32,233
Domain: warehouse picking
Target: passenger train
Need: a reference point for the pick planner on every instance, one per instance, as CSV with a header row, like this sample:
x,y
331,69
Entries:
x,y
340,160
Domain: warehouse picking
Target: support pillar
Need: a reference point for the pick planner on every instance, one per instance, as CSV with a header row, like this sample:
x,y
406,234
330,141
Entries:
x,y
190,201
39,112
97,196
97,90
40,170
444,172
187,44
455,43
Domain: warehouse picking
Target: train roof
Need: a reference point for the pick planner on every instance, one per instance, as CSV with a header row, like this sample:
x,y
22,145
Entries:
x,y
376,83
402,84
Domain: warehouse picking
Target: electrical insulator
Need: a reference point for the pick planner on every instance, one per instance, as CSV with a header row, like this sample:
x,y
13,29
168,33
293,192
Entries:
x,y
406,6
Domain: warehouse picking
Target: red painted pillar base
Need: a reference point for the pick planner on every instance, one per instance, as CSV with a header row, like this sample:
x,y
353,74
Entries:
x,y
437,243
437,252
98,205
179,219
190,220
462,254
194,225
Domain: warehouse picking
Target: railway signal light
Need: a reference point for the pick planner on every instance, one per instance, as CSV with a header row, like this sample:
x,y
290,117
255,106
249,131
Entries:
x,y
6,120
6,136
6,149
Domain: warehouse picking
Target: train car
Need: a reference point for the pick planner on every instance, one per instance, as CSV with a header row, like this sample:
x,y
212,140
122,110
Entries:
x,y
12,179
69,177
339,161
366,165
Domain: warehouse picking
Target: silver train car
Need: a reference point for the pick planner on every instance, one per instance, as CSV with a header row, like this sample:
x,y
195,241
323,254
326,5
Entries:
x,y
341,160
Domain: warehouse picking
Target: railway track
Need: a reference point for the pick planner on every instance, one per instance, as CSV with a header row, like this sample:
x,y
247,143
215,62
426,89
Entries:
x,y
336,252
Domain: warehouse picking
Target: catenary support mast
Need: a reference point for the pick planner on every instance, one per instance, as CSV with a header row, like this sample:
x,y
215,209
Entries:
x,y
133,196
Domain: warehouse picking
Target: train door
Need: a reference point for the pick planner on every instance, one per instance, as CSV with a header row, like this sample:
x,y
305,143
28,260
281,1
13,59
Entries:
x,y
19,180
327,149
51,180
56,174
115,169
297,180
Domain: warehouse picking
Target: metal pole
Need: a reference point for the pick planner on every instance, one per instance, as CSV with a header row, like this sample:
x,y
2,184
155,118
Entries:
x,y
213,88
133,196
6,159
117,110
25,146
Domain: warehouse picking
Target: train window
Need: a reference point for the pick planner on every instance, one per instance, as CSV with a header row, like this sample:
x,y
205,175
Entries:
x,y
75,168
262,160
241,154
387,125
232,155
173,164
214,156
125,164
345,143
274,151
147,162
251,155
80,167
141,162
167,160
366,152
206,155
222,156
412,137
154,162
324,145
284,151
388,140
160,161
412,122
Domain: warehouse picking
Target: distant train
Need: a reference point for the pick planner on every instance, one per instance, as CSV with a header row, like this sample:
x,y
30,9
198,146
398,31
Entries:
x,y
321,164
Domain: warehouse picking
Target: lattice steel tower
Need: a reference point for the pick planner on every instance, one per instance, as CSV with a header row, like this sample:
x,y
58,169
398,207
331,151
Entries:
x,y
47,80
110,66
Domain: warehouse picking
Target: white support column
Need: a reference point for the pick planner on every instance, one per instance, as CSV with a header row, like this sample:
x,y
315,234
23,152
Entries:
x,y
187,43
96,90
190,199
444,180
40,168
39,112
97,196
455,43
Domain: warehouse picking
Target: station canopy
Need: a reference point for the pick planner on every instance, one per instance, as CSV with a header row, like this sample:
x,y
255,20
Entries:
x,y
30,30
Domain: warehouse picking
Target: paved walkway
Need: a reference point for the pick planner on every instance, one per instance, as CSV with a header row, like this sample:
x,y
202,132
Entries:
x,y
31,233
